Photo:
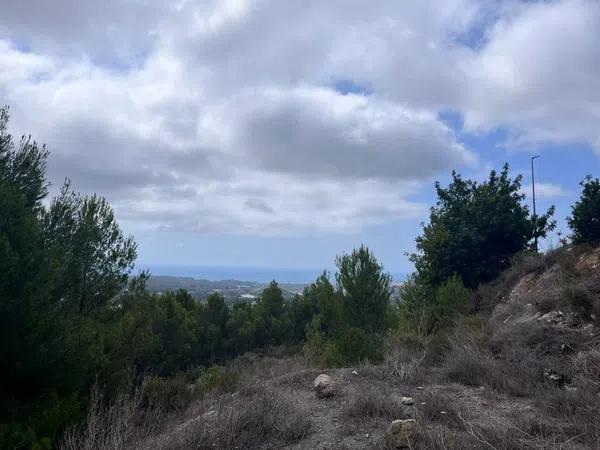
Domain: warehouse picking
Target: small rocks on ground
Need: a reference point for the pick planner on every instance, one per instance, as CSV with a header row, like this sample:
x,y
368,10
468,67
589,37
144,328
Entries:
x,y
408,401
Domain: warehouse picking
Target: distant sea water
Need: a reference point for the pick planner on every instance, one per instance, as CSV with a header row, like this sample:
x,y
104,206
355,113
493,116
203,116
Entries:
x,y
256,274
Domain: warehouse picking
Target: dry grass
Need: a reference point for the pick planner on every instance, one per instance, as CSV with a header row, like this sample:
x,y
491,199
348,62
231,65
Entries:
x,y
221,410
257,420
114,425
374,403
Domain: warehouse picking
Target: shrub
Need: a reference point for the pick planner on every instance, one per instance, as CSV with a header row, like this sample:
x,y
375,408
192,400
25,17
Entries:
x,y
451,300
223,379
370,403
578,409
167,394
261,416
438,408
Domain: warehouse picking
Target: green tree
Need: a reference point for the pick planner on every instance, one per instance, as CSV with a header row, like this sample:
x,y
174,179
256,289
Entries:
x,y
351,319
216,317
96,257
272,325
365,289
54,261
476,228
23,167
239,330
585,215
37,382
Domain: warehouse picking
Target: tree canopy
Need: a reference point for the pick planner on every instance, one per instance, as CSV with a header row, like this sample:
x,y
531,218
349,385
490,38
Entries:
x,y
475,228
585,215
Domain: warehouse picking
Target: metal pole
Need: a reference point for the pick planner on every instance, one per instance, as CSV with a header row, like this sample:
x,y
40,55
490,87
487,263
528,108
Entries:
x,y
535,240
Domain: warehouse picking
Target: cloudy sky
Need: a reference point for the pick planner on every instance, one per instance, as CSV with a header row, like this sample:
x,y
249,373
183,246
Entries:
x,y
279,133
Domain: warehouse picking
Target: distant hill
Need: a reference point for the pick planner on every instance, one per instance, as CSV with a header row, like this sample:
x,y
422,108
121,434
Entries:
x,y
232,290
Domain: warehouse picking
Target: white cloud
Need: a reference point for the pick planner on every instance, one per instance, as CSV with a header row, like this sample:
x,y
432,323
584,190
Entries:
x,y
219,116
545,190
537,74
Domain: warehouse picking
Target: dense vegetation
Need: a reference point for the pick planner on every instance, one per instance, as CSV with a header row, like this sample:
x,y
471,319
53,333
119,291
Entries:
x,y
475,228
71,318
585,218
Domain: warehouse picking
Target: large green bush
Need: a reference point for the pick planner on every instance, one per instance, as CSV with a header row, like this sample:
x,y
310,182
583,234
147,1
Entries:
x,y
585,216
475,228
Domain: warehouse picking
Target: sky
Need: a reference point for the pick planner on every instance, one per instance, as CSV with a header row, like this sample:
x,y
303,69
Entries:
x,y
280,133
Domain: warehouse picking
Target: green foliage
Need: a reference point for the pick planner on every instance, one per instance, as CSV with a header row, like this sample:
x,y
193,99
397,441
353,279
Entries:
x,y
365,289
351,319
424,309
415,306
272,325
352,345
585,216
475,229
96,257
23,167
223,379
451,300
71,253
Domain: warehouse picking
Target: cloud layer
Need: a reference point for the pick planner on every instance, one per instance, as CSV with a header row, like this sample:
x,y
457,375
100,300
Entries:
x,y
224,116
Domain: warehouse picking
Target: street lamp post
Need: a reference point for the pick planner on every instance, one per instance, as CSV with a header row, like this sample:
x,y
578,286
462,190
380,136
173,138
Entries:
x,y
535,239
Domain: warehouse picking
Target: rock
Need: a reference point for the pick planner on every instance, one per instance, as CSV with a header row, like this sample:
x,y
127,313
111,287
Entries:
x,y
589,263
400,432
408,401
325,386
420,388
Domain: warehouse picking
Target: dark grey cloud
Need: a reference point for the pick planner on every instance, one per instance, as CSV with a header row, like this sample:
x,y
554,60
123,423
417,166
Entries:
x,y
259,205
315,132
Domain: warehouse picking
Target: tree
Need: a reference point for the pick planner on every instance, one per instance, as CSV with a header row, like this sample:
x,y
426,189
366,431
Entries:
x,y
272,327
25,167
240,336
96,257
351,319
57,265
585,216
216,315
365,289
476,228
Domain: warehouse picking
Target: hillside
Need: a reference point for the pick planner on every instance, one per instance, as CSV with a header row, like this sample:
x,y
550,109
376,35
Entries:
x,y
522,371
231,290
